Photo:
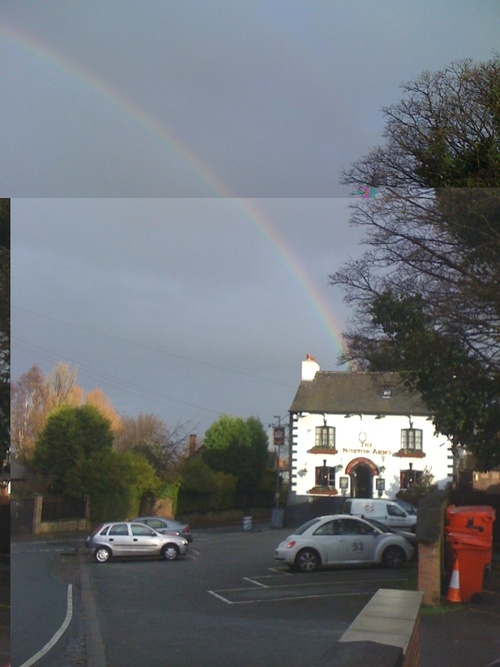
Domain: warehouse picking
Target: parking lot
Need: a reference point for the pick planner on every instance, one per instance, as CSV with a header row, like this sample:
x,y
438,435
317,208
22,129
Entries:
x,y
228,603
283,586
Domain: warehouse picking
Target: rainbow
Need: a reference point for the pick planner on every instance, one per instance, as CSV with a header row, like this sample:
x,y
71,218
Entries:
x,y
210,181
296,268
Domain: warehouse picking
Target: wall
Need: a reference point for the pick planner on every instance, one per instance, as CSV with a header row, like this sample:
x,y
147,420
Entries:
x,y
158,507
300,509
63,526
4,528
386,633
27,519
383,440
486,481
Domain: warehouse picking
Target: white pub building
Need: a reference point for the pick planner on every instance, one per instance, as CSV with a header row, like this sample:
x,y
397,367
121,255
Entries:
x,y
362,435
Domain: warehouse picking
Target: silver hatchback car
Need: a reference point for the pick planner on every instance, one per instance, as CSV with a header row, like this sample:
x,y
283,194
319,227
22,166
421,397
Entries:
x,y
164,526
127,538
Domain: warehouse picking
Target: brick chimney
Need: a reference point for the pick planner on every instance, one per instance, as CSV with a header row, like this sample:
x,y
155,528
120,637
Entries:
x,y
309,368
192,444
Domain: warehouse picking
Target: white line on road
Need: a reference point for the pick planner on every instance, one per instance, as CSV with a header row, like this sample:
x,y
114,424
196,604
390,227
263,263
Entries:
x,y
257,583
50,644
290,597
280,571
215,595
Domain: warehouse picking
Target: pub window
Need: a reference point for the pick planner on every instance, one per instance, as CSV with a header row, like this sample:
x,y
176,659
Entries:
x,y
325,437
325,477
411,438
409,478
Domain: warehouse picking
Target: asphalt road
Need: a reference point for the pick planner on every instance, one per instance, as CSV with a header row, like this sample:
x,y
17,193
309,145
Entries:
x,y
228,603
45,608
4,610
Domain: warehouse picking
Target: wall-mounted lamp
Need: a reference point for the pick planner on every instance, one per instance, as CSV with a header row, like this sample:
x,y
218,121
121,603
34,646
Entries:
x,y
344,484
380,486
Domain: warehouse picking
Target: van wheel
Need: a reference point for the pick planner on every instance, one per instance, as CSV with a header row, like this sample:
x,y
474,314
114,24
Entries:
x,y
393,557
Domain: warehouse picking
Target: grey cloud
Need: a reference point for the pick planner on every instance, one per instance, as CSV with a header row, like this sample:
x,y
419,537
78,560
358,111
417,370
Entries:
x,y
203,99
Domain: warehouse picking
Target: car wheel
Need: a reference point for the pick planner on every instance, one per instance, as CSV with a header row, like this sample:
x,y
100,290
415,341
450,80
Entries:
x,y
307,560
393,557
170,552
102,554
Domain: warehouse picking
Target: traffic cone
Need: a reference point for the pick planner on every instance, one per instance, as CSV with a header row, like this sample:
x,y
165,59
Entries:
x,y
453,594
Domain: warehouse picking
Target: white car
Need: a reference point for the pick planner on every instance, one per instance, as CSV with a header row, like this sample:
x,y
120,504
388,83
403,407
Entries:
x,y
337,539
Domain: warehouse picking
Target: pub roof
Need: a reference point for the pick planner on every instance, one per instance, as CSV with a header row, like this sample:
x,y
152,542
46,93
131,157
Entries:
x,y
341,392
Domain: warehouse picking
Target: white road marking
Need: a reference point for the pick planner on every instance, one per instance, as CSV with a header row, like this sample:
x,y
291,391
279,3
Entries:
x,y
291,597
220,593
50,644
215,595
279,571
194,551
257,583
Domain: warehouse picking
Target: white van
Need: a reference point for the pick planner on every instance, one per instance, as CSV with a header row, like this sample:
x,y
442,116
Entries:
x,y
386,511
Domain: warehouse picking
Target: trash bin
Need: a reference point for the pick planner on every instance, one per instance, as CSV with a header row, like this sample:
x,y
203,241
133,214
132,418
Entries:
x,y
472,554
247,523
473,520
277,518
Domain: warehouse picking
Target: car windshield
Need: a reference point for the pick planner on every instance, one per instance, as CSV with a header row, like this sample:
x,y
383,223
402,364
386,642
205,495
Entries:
x,y
302,529
408,507
378,524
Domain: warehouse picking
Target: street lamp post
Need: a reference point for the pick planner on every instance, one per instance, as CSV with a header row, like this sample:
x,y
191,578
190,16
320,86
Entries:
x,y
277,496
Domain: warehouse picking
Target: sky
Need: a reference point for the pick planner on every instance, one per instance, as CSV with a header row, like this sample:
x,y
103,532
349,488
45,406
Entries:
x,y
185,308
174,169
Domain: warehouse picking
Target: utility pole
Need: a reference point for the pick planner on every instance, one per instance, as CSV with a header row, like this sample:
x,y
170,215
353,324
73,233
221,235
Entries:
x,y
277,497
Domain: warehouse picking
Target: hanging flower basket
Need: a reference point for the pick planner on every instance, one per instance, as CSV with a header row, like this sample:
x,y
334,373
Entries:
x,y
321,491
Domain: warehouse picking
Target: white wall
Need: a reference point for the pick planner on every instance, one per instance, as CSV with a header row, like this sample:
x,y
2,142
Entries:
x,y
383,440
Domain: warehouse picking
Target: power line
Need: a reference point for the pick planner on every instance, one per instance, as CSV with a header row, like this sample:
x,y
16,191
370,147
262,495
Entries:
x,y
116,382
153,349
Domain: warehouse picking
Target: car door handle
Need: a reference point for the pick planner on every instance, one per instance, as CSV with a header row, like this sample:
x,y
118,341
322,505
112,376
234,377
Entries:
x,y
111,539
135,539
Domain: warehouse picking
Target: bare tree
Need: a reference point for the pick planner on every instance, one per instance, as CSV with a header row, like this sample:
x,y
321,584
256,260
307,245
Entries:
x,y
147,434
62,387
425,292
34,397
99,400
29,411
4,325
